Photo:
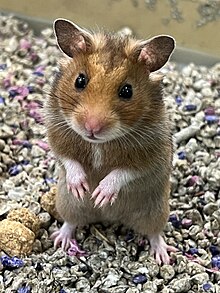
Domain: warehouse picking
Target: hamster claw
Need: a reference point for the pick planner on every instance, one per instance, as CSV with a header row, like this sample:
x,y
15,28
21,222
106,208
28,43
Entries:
x,y
105,193
62,237
160,249
102,198
76,179
78,190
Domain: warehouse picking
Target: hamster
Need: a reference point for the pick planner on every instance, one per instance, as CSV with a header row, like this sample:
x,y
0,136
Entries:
x,y
107,126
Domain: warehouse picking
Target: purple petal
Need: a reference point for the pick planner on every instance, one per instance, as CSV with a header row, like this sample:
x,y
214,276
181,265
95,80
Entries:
x,y
24,289
75,250
19,92
14,170
2,100
186,223
190,107
7,81
24,44
181,155
36,115
193,180
11,262
175,221
139,279
33,57
130,236
211,118
3,66
24,143
214,250
42,144
216,261
206,286
193,251
209,111
178,100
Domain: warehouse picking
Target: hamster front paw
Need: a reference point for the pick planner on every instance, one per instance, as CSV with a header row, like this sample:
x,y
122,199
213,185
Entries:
x,y
106,192
76,179
108,189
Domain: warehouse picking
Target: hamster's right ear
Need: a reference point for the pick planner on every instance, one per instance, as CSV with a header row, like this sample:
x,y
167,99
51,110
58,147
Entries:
x,y
70,37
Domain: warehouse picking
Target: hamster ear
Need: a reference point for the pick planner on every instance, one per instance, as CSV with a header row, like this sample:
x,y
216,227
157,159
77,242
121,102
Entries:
x,y
70,37
156,52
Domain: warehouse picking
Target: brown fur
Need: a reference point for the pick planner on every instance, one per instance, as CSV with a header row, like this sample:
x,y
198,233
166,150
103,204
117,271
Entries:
x,y
143,203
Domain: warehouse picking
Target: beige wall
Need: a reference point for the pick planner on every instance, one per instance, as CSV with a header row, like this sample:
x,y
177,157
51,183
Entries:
x,y
114,14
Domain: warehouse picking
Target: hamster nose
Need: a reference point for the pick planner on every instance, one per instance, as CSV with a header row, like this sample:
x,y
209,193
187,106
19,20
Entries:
x,y
93,125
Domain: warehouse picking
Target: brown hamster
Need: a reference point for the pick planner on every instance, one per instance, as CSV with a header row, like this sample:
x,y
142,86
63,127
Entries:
x,y
107,125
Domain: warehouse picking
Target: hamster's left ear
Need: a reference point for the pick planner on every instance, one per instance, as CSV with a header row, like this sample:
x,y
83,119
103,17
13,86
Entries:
x,y
156,52
70,37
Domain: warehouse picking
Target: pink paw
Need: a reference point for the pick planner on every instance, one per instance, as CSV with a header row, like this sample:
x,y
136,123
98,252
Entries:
x,y
105,193
76,179
160,249
77,185
63,236
61,239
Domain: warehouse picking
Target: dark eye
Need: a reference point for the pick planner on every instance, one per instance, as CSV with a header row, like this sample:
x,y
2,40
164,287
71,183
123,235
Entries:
x,y
126,92
81,81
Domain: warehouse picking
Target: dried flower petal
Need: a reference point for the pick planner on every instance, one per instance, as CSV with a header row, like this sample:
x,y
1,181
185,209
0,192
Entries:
x,y
190,107
214,250
193,251
25,44
182,155
139,279
75,249
3,66
211,118
42,144
175,221
209,111
2,100
206,286
130,236
24,289
186,223
216,261
24,143
11,262
193,180
14,170
178,100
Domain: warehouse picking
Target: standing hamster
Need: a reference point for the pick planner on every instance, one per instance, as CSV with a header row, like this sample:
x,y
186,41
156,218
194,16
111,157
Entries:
x,y
107,125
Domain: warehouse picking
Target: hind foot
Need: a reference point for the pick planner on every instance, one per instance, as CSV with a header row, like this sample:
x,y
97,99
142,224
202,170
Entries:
x,y
160,249
63,238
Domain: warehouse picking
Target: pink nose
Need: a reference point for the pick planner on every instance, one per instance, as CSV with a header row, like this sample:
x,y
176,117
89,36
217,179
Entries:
x,y
93,125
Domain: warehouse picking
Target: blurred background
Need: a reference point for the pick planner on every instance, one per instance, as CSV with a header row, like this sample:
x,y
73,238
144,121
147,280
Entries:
x,y
195,24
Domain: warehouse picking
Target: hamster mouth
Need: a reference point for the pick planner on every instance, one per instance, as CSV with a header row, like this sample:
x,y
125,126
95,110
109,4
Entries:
x,y
102,137
92,137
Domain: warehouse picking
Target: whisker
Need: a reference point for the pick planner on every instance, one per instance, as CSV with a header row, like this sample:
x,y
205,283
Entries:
x,y
59,98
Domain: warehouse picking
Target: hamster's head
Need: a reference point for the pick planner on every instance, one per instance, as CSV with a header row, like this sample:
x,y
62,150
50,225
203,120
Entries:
x,y
105,87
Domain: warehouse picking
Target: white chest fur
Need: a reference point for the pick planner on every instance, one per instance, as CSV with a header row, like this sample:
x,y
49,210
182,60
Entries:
x,y
97,156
